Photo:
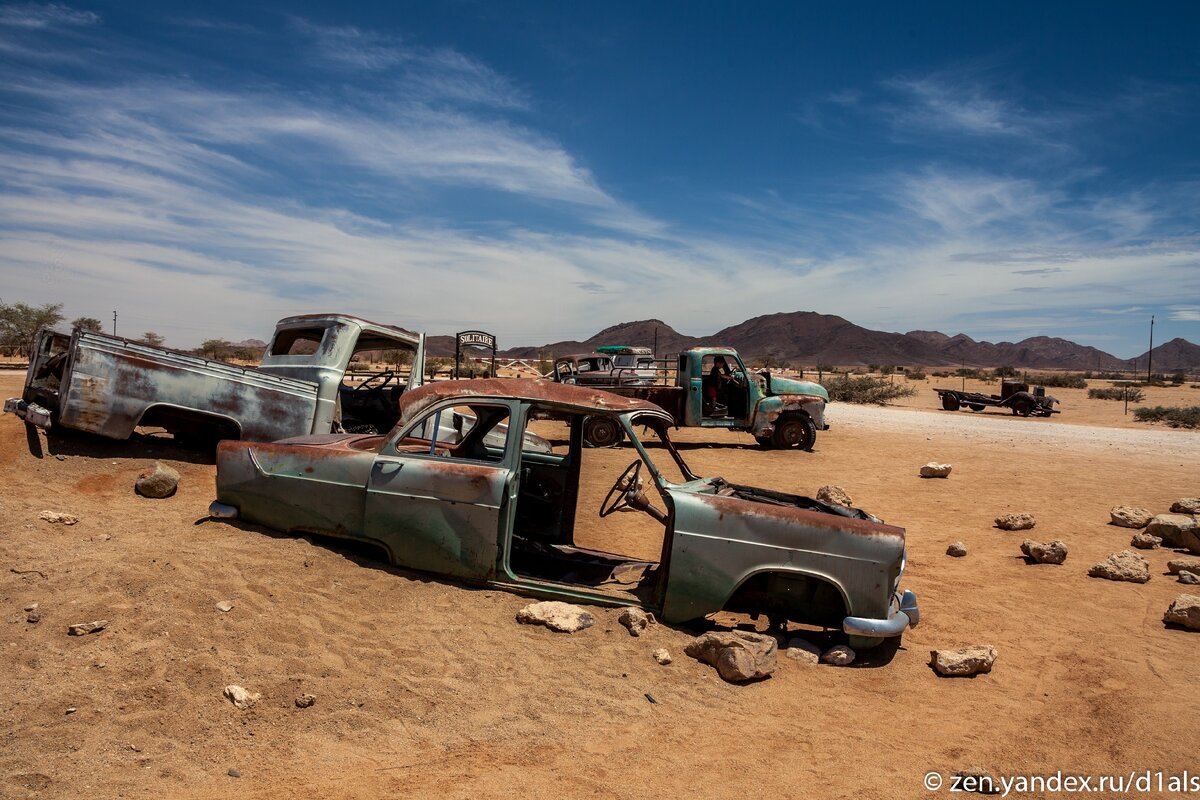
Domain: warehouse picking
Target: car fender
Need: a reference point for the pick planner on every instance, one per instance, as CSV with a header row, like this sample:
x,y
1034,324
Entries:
x,y
770,409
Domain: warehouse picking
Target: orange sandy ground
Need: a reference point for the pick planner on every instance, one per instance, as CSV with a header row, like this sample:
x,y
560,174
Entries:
x,y
427,688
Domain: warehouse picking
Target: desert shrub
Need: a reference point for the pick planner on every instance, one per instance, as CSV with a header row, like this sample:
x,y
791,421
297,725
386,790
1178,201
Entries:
x,y
1175,416
915,376
1062,381
867,390
1177,378
941,374
1136,395
1005,372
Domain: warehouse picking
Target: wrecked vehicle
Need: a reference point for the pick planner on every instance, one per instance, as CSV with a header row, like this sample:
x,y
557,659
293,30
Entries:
x,y
108,385
494,511
1015,395
710,387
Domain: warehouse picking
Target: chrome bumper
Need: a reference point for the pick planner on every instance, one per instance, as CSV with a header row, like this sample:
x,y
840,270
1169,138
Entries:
x,y
907,615
218,510
30,412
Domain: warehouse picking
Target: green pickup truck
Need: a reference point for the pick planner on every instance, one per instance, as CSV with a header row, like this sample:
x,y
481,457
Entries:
x,y
710,387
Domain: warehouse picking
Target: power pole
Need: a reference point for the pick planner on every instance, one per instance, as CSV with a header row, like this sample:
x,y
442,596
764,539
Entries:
x,y
1150,352
114,323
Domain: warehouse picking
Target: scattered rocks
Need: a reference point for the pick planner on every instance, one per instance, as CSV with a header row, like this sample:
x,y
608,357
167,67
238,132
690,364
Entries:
x,y
233,773
31,607
1187,505
1144,541
1190,578
1176,530
159,482
58,517
936,470
33,617
1184,611
803,651
1185,564
1015,522
839,656
1123,566
1130,517
240,697
834,496
662,655
1054,552
84,628
958,550
964,662
306,701
72,710
224,606
557,616
635,620
737,655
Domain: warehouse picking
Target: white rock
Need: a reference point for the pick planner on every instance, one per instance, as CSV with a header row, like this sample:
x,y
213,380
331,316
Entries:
x,y
556,615
240,697
224,606
936,470
737,655
958,550
1186,505
662,655
1185,611
1129,517
58,517
1176,530
1015,522
84,628
803,651
1123,566
839,656
1054,552
963,662
834,496
635,620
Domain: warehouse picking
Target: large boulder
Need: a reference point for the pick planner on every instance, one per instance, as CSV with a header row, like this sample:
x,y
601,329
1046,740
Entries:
x,y
1176,530
1130,517
834,496
1185,611
159,482
737,655
963,662
1015,522
936,470
1054,552
1123,566
1187,563
1186,505
557,616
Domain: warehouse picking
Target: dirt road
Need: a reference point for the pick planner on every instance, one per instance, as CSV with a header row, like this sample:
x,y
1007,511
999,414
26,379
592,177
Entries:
x,y
428,688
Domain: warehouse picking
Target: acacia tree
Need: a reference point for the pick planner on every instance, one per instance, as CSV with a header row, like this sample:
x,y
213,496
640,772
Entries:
x,y
215,348
19,322
153,339
88,324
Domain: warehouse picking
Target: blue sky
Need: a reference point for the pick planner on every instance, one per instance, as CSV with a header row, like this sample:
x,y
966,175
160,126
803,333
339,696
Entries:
x,y
544,170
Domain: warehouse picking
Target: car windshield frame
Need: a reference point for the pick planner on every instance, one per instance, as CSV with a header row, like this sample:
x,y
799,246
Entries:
x,y
660,424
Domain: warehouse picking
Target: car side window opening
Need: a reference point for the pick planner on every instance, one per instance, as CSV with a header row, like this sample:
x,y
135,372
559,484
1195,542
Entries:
x,y
297,341
477,432
558,532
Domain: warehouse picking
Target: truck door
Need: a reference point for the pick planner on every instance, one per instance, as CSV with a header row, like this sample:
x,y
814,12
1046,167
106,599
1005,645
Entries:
x,y
690,380
436,494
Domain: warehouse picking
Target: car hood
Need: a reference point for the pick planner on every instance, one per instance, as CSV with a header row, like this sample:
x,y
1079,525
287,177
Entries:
x,y
793,386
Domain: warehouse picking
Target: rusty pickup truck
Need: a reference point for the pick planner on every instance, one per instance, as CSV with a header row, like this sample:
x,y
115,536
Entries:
x,y
110,386
482,506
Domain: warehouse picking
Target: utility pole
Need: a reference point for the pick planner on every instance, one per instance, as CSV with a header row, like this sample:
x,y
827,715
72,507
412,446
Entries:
x,y
1150,352
114,322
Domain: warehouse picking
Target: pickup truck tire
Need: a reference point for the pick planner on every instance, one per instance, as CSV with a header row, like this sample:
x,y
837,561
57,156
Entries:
x,y
1022,406
950,402
602,432
794,430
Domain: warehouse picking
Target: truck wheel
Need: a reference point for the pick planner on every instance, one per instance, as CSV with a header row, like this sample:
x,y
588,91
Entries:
x,y
601,432
950,402
975,407
763,441
794,430
1022,406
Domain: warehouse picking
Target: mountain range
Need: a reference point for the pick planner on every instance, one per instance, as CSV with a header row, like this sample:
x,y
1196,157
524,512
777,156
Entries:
x,y
808,338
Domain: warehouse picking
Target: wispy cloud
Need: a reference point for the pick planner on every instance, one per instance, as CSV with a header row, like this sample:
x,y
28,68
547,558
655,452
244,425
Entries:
x,y
36,15
1185,313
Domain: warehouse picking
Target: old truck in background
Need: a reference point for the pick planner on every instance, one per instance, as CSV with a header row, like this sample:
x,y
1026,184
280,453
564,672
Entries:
x,y
1015,395
110,386
710,387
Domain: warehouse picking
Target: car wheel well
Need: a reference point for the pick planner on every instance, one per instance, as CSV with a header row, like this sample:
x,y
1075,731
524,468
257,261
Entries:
x,y
190,424
790,596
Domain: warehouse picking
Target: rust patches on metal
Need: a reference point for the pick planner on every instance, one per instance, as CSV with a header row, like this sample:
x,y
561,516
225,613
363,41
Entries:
x,y
812,519
529,389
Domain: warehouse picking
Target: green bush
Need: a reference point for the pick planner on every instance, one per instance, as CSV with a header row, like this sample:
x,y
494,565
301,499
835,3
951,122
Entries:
x,y
915,376
849,389
1136,395
1060,381
1176,417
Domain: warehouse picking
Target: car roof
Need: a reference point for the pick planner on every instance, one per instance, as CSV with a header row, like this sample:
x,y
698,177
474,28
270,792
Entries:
x,y
583,398
372,335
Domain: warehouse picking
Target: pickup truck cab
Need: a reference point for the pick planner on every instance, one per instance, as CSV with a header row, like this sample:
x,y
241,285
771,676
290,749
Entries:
x,y
483,506
110,386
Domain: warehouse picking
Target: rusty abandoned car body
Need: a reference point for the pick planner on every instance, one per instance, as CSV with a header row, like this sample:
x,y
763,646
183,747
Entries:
x,y
498,512
107,385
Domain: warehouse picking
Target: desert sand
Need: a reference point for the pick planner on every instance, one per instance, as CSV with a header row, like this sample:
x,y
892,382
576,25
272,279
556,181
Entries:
x,y
429,688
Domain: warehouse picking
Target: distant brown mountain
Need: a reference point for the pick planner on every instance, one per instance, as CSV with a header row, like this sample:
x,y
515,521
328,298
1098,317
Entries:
x,y
809,338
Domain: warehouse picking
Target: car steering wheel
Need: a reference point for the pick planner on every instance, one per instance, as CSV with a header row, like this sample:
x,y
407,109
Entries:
x,y
738,377
383,379
618,496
